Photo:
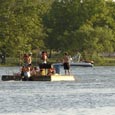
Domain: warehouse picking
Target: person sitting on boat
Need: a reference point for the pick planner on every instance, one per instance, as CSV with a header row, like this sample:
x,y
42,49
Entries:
x,y
88,61
43,72
22,71
66,63
25,73
34,71
44,57
51,71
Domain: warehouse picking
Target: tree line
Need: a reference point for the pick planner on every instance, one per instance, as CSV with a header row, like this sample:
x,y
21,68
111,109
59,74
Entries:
x,y
66,25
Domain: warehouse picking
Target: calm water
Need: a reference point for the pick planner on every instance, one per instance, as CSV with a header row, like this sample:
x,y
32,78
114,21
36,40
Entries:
x,y
92,93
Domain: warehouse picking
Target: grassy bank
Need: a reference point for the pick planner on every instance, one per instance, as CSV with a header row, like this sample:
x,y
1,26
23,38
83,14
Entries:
x,y
104,61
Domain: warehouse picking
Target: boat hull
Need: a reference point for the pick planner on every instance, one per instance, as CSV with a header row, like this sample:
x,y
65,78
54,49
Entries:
x,y
82,64
11,77
39,78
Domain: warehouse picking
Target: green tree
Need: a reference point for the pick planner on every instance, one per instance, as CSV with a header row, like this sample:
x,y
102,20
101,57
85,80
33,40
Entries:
x,y
21,26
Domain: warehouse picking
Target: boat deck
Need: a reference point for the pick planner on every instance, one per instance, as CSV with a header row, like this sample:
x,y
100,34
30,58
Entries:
x,y
56,77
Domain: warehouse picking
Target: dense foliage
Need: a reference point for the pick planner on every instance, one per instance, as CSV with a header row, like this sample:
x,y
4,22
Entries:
x,y
66,25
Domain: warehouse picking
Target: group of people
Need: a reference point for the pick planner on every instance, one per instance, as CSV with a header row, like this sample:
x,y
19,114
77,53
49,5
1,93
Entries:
x,y
28,70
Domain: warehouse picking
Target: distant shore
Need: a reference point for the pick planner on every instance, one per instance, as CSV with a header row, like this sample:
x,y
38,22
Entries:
x,y
106,61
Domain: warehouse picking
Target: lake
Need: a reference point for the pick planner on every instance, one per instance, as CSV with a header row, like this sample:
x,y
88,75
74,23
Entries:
x,y
92,93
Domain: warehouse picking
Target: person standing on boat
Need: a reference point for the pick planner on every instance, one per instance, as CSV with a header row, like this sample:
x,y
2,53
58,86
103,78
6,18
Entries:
x,y
25,59
44,57
29,60
66,63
